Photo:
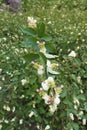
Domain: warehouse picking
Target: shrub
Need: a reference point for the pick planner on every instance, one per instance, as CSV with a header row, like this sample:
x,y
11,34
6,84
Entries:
x,y
21,106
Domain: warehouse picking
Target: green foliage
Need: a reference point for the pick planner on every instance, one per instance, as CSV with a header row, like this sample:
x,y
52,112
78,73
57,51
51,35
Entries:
x,y
65,31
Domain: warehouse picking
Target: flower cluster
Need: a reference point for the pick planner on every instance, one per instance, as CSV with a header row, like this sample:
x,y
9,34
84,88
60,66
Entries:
x,y
49,92
31,22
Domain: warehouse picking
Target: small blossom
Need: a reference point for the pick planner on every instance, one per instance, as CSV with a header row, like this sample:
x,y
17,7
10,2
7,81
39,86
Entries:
x,y
31,114
46,98
56,99
50,56
45,85
76,101
38,127
62,86
8,108
13,119
0,70
84,121
31,22
76,107
53,108
0,126
21,121
81,91
47,127
23,81
51,67
71,116
79,79
6,121
42,46
72,54
3,78
81,113
22,96
40,70
48,83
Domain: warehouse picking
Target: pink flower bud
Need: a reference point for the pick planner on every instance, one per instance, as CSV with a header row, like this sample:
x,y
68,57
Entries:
x,y
37,90
62,86
33,62
41,89
57,65
49,101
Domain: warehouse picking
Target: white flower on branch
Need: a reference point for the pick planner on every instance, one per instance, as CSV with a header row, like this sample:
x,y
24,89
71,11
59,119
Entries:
x,y
51,67
56,100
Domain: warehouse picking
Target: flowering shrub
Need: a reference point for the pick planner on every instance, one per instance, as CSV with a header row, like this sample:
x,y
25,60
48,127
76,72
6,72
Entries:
x,y
57,98
26,69
48,90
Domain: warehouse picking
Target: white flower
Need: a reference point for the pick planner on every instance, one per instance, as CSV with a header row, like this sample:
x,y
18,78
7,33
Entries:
x,y
47,127
50,67
0,70
45,85
56,99
0,126
13,110
40,70
13,119
76,101
48,83
23,81
3,78
31,22
42,47
84,121
8,108
38,127
53,108
71,116
46,98
72,54
50,79
81,113
81,91
79,79
22,96
31,114
50,56
0,88
76,107
43,50
6,121
21,121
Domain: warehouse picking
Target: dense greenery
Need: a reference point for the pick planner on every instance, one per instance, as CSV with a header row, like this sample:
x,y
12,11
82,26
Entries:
x,y
20,106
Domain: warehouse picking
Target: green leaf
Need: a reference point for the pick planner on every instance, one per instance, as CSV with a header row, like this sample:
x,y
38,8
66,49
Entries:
x,y
32,79
75,126
50,47
30,42
42,56
31,57
63,94
41,29
29,31
81,97
85,107
46,38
